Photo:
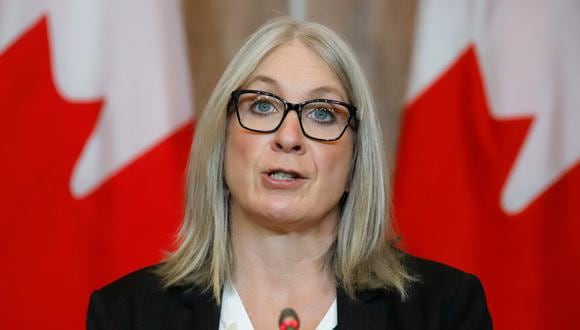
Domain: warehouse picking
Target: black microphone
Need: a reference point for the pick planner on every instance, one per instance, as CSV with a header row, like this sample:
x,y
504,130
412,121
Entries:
x,y
288,320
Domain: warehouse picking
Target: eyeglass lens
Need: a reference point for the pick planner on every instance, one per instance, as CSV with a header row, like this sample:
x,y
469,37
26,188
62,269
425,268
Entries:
x,y
321,120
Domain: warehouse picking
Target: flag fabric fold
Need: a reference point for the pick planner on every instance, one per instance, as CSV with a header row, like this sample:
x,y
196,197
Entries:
x,y
488,167
96,120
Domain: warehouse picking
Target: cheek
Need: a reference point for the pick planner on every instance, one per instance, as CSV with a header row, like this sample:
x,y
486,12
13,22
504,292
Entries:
x,y
236,149
237,144
241,153
335,165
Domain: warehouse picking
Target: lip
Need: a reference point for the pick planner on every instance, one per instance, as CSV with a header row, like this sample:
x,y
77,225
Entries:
x,y
295,173
272,183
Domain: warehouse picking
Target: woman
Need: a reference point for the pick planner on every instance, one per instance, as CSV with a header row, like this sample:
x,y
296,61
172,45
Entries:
x,y
286,207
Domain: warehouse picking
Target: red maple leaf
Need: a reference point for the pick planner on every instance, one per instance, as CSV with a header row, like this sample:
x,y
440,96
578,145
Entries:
x,y
57,249
454,159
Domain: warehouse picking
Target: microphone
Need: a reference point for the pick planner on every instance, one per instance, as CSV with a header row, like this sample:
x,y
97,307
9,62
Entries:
x,y
288,320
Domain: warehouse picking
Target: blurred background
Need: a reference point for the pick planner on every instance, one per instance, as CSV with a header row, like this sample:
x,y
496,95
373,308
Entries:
x,y
380,32
478,100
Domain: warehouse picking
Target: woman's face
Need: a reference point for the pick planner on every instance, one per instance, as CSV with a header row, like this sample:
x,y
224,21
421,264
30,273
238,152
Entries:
x,y
256,163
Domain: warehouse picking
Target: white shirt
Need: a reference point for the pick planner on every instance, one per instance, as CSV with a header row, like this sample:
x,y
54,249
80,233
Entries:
x,y
233,315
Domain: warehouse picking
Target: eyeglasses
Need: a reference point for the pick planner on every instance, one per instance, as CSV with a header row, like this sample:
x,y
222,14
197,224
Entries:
x,y
320,119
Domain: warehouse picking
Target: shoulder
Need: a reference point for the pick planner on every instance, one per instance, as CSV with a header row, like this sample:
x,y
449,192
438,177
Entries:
x,y
436,278
137,300
141,282
442,297
445,295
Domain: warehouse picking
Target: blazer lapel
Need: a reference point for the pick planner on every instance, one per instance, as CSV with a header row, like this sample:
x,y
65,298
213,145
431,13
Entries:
x,y
204,312
370,310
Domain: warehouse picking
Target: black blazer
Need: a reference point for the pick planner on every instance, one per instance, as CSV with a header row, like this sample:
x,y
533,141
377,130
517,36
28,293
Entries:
x,y
444,298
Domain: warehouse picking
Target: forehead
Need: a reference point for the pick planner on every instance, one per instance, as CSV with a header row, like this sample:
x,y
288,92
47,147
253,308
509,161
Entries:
x,y
296,70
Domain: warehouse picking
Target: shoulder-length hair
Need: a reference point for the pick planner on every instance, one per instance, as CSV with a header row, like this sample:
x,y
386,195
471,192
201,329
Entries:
x,y
363,255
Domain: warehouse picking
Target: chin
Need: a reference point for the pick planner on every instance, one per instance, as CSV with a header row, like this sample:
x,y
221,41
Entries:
x,y
281,215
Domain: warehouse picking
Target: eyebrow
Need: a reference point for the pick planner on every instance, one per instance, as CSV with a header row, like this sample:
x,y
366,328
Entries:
x,y
313,93
264,79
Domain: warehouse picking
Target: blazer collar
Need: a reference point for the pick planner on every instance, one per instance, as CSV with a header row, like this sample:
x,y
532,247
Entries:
x,y
205,312
369,310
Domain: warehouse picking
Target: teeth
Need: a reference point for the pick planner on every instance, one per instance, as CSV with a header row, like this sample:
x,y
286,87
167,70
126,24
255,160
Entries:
x,y
282,176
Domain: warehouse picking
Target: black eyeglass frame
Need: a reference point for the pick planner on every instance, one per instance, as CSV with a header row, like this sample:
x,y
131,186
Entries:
x,y
289,106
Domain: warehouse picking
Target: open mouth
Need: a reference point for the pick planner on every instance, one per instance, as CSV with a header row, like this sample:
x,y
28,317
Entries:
x,y
283,175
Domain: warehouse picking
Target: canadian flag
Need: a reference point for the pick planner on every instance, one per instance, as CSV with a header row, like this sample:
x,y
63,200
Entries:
x,y
488,169
95,119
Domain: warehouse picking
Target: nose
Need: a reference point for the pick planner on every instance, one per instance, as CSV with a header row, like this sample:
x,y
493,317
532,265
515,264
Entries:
x,y
289,138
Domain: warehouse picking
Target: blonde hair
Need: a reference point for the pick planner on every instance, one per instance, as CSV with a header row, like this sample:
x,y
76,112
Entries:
x,y
363,255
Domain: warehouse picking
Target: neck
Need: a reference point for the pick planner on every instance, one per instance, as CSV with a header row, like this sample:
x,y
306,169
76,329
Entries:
x,y
275,269
280,258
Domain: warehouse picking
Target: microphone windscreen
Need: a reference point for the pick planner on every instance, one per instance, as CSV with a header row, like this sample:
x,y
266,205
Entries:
x,y
288,320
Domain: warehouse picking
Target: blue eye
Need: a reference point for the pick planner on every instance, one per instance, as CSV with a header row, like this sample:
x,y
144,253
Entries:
x,y
322,115
264,107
